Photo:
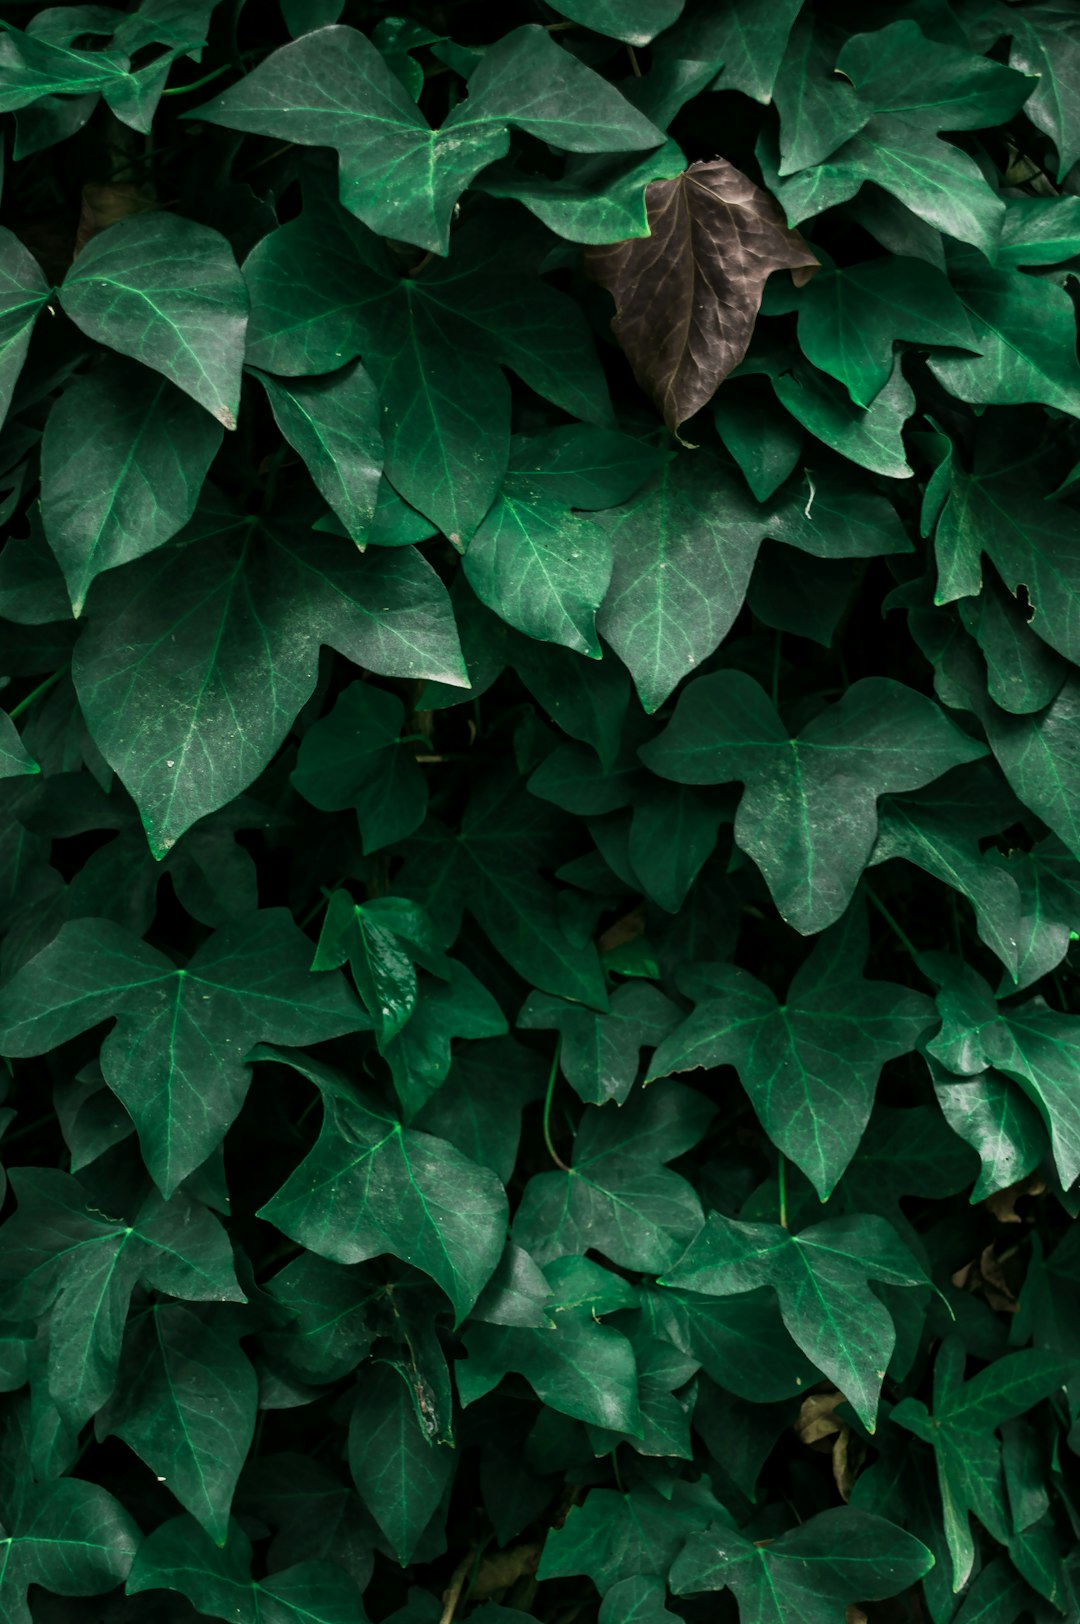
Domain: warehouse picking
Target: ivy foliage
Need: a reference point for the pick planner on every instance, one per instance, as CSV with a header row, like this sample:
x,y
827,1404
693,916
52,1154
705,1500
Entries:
x,y
539,627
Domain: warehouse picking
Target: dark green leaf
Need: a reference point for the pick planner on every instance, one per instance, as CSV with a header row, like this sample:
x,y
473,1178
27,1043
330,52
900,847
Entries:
x,y
185,1403
820,1278
176,1057
810,1065
168,293
123,461
882,738
332,88
370,1187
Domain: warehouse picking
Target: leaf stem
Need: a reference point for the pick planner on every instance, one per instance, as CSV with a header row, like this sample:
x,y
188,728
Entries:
x,y
552,1152
782,1177
42,688
904,940
197,84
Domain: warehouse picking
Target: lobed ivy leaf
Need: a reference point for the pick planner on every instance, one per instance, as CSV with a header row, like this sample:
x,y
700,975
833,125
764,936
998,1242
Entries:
x,y
881,738
900,146
185,1402
480,869
572,1361
810,1064
60,1255
354,758
810,1573
322,290
820,1278
1031,1043
618,1197
686,296
176,1057
614,1537
961,1431
850,318
178,661
216,1578
370,1187
168,293
600,1053
332,88
72,1537
124,458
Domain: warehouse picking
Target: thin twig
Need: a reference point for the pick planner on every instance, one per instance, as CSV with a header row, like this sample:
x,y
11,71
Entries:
x,y
452,1595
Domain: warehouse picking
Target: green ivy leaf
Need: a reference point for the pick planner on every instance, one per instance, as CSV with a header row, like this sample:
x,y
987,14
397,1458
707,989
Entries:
x,y
381,940
217,1580
322,290
23,293
1053,57
401,1474
168,293
540,567
478,1109
333,423
997,1120
636,23
1032,1044
124,458
818,109
1024,329
58,1252
574,1363
597,199
820,1278
176,1057
396,174
809,1573
185,1402
189,706
871,438
600,1054
354,757
961,1430
684,551
370,1187
481,869
614,1537
810,1064
939,830
71,1537
419,1055
15,760
618,1197
850,318
883,737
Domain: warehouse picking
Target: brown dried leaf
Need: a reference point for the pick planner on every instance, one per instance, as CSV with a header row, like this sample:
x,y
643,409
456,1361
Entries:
x,y
816,1419
103,204
986,1278
626,929
501,1569
687,295
1002,1204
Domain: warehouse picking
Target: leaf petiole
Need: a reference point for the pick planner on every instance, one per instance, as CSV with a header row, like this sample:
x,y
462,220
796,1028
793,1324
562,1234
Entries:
x,y
554,1072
